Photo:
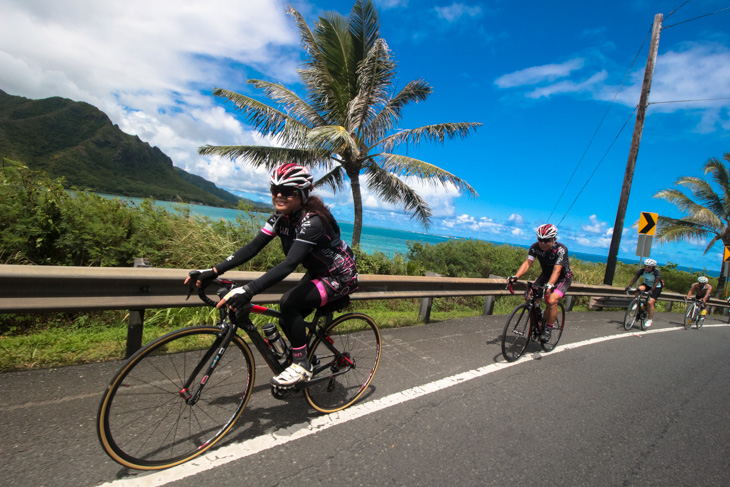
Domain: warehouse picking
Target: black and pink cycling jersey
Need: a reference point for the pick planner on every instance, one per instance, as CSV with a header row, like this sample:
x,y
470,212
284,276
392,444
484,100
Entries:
x,y
311,242
557,255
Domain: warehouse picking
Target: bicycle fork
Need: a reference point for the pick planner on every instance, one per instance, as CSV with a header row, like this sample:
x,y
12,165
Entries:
x,y
216,351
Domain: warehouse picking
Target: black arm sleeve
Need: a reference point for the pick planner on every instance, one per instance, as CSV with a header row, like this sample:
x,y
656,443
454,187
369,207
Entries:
x,y
299,250
245,253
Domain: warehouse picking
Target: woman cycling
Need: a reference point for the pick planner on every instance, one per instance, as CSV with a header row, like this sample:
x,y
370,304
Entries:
x,y
652,284
702,289
309,236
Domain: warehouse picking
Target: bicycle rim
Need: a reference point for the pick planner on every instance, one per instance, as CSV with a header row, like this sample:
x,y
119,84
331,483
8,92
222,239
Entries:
x,y
556,332
630,316
357,339
143,421
516,333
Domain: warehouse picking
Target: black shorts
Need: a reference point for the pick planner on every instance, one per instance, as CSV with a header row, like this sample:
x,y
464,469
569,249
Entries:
x,y
654,294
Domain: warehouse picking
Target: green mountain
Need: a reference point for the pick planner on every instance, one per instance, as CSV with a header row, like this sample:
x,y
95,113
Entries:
x,y
77,141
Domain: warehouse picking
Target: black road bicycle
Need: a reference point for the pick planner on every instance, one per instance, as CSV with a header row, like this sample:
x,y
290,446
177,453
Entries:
x,y
636,311
181,393
526,322
694,314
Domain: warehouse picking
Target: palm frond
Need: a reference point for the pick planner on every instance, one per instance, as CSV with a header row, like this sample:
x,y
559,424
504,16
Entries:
x,y
702,191
392,190
408,166
675,230
375,75
267,120
269,157
334,179
438,132
333,139
364,27
290,101
415,91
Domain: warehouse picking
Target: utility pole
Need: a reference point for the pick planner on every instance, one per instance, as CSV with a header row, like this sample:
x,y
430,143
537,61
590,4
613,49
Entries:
x,y
618,226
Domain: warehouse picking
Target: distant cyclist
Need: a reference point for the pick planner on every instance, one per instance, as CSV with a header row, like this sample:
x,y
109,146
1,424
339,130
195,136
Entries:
x,y
702,289
556,275
652,284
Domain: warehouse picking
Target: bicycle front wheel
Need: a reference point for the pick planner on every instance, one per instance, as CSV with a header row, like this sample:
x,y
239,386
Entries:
x,y
631,313
350,356
689,317
516,333
145,423
556,332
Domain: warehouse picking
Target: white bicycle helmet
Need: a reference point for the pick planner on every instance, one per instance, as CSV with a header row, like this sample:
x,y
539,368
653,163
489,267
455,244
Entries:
x,y
650,262
546,231
702,280
291,174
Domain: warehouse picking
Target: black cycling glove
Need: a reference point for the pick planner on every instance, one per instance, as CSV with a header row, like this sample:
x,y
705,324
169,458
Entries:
x,y
238,297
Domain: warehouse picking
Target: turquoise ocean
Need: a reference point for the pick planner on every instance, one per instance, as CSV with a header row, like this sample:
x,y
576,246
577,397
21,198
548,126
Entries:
x,y
389,241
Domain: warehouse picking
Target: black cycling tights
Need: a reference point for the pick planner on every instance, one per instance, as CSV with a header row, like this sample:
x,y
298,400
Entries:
x,y
295,305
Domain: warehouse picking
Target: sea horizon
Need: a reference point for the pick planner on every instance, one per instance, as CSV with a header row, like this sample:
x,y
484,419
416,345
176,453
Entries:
x,y
388,241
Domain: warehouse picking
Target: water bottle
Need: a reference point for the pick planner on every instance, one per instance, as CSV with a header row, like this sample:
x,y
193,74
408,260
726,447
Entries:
x,y
277,344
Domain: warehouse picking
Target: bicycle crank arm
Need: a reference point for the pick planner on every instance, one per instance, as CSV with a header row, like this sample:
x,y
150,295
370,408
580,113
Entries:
x,y
316,380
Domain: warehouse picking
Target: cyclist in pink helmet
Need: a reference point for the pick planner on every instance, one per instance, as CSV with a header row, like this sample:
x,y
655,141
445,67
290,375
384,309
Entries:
x,y
309,236
556,275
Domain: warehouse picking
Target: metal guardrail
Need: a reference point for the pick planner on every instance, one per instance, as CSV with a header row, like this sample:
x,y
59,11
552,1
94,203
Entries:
x,y
27,289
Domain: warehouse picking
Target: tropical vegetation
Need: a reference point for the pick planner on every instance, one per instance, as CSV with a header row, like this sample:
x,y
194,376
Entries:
x,y
706,211
347,122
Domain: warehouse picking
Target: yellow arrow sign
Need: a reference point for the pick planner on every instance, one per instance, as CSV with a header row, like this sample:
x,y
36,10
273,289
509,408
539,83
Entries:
x,y
726,257
647,223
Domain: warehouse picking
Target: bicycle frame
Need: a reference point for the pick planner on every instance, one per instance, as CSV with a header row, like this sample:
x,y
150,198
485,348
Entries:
x,y
534,294
231,322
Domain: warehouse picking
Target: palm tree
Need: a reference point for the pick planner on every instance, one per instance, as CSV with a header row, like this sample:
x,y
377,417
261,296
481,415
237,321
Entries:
x,y
709,217
347,124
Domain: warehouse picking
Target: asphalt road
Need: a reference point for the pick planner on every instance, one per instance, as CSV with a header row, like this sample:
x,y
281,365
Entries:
x,y
608,407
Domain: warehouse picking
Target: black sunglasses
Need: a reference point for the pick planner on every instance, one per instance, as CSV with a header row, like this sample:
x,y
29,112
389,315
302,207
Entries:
x,y
544,240
285,191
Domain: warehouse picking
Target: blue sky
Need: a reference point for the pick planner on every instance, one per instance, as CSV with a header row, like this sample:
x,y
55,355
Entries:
x,y
540,77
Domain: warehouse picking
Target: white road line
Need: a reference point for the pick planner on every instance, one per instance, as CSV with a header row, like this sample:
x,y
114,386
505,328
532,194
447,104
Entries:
x,y
231,453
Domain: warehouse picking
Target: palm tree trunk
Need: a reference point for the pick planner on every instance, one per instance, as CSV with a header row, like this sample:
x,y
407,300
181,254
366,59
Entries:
x,y
354,176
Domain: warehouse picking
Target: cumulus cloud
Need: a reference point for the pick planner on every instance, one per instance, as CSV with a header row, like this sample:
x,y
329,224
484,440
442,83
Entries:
x,y
457,11
150,66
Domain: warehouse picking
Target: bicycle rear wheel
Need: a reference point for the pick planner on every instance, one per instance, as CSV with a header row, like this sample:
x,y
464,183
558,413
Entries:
x,y
516,333
556,332
632,311
144,422
349,372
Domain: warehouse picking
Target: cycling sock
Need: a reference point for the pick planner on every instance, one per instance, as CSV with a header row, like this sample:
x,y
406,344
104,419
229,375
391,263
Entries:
x,y
299,356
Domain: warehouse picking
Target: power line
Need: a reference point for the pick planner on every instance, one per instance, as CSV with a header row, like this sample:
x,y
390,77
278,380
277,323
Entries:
x,y
600,124
701,16
672,12
597,165
686,101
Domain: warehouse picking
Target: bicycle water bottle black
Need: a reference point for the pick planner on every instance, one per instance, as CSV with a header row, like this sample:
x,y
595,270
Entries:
x,y
277,344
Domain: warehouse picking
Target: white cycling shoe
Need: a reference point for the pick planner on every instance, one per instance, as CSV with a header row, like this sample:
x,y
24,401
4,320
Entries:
x,y
292,375
648,323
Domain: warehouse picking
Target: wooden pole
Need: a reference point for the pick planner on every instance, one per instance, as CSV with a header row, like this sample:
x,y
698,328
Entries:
x,y
633,152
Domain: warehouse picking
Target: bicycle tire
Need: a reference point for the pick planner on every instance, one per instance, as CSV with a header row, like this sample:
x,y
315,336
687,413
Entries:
x,y
516,334
144,423
700,320
689,316
632,311
357,337
556,332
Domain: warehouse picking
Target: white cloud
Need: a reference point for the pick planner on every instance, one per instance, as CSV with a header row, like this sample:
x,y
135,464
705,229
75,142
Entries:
x,y
539,74
150,65
456,11
515,218
595,226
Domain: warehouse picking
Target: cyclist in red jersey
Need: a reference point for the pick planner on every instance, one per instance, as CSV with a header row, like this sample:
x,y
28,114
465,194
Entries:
x,y
556,275
309,236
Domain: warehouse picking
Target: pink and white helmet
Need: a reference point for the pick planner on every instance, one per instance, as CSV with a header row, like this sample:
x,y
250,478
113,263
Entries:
x,y
546,231
291,174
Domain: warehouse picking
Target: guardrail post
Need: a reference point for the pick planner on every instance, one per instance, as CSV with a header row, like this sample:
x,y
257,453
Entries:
x,y
489,300
668,306
569,302
135,323
424,311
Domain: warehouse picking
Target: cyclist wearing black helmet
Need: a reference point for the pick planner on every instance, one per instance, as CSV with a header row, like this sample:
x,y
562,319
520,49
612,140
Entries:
x,y
556,275
652,282
309,236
